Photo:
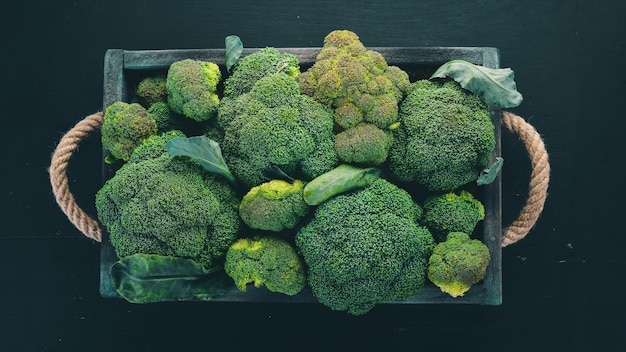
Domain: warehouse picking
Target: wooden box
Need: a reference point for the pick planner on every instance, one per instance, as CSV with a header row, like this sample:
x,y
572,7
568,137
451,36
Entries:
x,y
123,69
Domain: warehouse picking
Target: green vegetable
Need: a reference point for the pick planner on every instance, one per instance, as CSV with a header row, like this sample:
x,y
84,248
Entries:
x,y
341,179
147,278
124,127
160,204
451,212
265,261
274,206
274,124
495,86
458,263
192,88
234,48
151,90
365,247
249,69
361,88
446,137
489,175
205,151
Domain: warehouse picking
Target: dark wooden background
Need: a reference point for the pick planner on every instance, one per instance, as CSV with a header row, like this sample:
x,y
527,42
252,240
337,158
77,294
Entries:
x,y
563,285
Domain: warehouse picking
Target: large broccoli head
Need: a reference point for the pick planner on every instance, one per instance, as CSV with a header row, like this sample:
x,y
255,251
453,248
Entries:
x,y
451,212
445,138
251,68
159,204
192,88
365,247
265,261
458,263
274,206
361,88
124,127
274,124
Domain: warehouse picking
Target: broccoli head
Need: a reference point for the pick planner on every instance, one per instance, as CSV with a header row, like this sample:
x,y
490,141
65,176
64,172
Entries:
x,y
159,204
359,85
151,90
445,138
274,206
363,144
191,88
257,65
265,261
274,124
451,212
124,127
365,247
458,263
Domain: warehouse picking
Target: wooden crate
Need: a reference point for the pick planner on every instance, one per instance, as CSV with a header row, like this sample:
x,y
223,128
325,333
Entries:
x,y
124,68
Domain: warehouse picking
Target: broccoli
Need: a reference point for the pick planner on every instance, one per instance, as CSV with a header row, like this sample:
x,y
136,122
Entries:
x,y
365,247
363,144
274,124
192,88
160,204
451,212
361,88
124,127
458,263
274,206
265,261
445,138
249,69
151,90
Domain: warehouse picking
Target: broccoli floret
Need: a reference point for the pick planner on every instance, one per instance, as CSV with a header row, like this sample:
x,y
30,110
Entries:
x,y
274,206
159,204
363,144
191,87
452,212
151,90
445,138
265,261
458,263
359,85
365,247
274,124
249,69
124,127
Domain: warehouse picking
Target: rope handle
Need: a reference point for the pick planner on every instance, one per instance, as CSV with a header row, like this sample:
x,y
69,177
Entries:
x,y
90,227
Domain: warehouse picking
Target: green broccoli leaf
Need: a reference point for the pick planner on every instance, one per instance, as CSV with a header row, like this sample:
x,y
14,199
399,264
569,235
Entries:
x,y
234,48
495,87
341,179
273,172
147,278
205,151
489,174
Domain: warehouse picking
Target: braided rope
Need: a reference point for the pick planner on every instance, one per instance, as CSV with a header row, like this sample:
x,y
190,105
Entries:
x,y
539,178
527,218
58,176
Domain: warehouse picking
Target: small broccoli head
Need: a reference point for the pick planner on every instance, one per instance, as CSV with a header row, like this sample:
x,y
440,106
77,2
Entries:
x,y
452,212
458,263
191,87
274,124
363,144
445,138
265,261
249,69
151,90
365,247
159,204
274,206
358,84
124,127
